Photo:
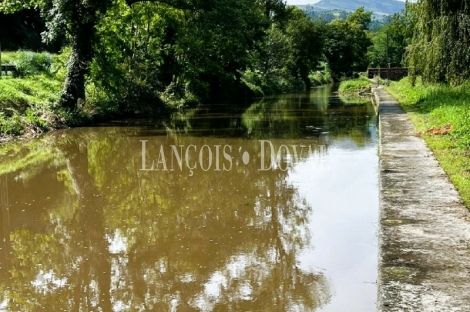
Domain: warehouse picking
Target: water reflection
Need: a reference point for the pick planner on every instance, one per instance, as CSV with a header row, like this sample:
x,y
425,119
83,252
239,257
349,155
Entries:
x,y
83,228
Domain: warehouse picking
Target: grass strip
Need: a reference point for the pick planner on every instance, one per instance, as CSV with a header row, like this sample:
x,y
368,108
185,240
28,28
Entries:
x,y
441,115
355,91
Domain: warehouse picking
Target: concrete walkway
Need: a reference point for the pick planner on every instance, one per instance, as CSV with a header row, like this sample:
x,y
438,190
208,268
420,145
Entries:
x,y
424,232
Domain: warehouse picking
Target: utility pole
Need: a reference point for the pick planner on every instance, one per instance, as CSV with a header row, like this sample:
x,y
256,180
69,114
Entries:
x,y
388,61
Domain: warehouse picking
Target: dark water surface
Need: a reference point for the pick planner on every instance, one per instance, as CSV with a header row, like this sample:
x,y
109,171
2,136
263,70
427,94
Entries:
x,y
271,209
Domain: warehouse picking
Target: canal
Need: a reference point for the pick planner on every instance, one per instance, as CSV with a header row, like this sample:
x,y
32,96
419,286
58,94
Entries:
x,y
269,208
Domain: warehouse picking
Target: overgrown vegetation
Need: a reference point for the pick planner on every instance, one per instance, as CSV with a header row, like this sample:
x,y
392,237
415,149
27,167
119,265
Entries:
x,y
346,44
441,114
390,41
130,57
354,86
440,47
28,97
355,91
321,77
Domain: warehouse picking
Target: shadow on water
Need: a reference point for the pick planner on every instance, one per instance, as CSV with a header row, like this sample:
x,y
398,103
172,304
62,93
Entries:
x,y
319,113
83,227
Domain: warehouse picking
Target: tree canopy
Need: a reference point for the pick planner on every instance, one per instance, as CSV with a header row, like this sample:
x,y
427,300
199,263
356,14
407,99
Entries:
x,y
125,52
347,43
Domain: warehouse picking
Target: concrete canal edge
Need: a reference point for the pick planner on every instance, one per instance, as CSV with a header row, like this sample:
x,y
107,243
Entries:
x,y
424,230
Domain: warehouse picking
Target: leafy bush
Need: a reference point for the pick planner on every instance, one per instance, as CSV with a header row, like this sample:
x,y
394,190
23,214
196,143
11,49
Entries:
x,y
319,78
274,84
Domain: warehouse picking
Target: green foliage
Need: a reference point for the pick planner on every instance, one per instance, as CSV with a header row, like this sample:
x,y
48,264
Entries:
x,y
75,19
355,91
30,63
10,125
441,104
390,42
322,76
129,57
354,86
440,47
39,89
262,85
347,43
161,53
290,53
319,78
307,41
326,16
28,104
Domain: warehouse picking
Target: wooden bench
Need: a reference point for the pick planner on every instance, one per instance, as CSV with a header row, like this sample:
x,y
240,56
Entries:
x,y
7,68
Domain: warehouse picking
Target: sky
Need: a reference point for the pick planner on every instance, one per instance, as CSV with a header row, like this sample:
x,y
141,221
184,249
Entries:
x,y
309,1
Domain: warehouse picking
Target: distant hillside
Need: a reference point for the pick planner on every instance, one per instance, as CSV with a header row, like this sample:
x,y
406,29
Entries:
x,y
378,7
326,15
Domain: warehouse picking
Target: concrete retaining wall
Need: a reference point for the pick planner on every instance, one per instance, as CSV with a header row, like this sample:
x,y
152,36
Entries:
x,y
424,231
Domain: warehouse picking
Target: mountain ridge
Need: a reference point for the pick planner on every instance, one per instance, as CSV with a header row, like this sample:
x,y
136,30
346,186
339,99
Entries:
x,y
378,7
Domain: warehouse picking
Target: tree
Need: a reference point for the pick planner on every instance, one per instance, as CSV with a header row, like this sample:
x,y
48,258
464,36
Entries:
x,y
292,48
390,41
153,49
347,43
76,18
307,42
440,46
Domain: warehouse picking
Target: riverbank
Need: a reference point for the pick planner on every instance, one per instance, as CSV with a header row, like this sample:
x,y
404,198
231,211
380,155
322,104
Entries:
x,y
441,115
355,91
424,257
29,96
26,106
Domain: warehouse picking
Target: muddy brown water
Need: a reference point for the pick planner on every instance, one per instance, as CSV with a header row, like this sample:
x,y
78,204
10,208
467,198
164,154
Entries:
x,y
273,208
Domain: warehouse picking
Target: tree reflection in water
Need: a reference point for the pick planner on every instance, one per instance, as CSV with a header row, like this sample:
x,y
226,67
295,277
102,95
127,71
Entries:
x,y
83,229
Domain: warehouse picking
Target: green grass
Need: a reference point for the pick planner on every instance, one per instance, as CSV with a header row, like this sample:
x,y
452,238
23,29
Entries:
x,y
436,106
8,57
38,90
354,86
27,100
355,91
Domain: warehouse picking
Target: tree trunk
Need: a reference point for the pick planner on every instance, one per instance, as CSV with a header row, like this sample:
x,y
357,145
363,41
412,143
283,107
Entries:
x,y
74,88
78,67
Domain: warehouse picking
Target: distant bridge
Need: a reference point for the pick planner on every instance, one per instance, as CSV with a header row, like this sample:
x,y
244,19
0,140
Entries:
x,y
394,73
